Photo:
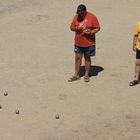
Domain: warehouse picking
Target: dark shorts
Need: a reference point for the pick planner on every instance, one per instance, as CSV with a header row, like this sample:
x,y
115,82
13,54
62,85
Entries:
x,y
137,54
87,51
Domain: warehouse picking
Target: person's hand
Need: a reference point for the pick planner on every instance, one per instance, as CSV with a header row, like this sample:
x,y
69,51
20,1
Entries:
x,y
134,48
80,28
87,31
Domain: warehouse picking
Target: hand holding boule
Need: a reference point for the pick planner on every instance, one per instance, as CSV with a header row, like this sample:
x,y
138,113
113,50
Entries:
x,y
87,31
80,28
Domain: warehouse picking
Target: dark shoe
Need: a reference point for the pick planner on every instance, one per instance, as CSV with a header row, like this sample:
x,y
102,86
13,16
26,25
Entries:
x,y
74,78
86,79
133,83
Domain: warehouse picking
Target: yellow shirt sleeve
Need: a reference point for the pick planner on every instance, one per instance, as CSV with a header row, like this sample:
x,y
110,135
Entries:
x,y
137,29
137,32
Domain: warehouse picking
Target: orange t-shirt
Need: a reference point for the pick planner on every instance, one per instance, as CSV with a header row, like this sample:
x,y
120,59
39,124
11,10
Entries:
x,y
90,22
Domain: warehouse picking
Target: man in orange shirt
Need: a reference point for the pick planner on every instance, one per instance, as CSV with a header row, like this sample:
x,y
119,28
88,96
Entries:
x,y
85,25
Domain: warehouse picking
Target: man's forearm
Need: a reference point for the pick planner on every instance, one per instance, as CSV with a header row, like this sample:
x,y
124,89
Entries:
x,y
74,28
135,40
94,31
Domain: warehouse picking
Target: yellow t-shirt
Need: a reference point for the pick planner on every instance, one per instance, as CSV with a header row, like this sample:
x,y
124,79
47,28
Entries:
x,y
137,32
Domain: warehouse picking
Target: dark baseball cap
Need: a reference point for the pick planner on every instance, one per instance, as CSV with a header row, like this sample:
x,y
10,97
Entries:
x,y
81,9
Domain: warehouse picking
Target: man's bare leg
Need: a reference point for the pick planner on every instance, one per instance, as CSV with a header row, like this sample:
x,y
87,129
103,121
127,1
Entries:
x,y
78,61
137,69
87,68
137,73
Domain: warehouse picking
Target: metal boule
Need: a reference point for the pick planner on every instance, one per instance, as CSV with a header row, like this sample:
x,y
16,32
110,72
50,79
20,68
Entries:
x,y
5,94
57,116
17,112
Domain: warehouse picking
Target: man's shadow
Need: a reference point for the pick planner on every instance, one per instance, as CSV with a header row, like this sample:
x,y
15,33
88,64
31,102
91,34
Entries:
x,y
93,72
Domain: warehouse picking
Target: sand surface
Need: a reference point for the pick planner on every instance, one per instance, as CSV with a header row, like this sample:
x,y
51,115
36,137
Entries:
x,y
36,60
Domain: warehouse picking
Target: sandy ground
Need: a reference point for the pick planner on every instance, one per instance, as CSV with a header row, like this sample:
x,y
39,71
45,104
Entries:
x,y
36,59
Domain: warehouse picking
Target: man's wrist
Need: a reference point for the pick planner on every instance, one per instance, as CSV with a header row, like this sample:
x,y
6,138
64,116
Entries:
x,y
91,32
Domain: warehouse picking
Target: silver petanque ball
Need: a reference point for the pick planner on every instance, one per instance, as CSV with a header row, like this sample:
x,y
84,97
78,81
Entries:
x,y
57,116
5,94
17,111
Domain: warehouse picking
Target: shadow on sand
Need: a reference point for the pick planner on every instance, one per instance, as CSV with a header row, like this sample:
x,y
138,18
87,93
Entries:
x,y
93,72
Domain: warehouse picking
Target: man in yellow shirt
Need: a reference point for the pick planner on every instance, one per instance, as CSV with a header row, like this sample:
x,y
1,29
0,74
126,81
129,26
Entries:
x,y
136,48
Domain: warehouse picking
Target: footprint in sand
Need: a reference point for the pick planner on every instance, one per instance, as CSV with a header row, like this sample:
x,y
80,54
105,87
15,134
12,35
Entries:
x,y
36,19
62,96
